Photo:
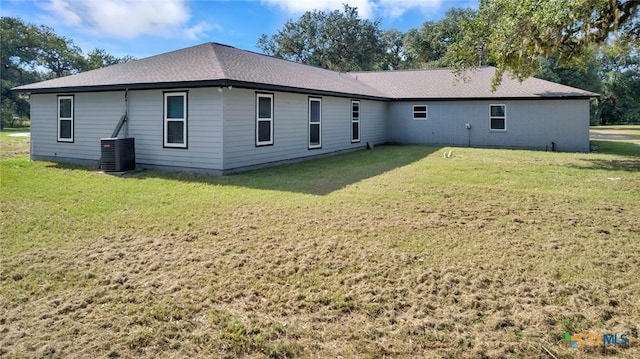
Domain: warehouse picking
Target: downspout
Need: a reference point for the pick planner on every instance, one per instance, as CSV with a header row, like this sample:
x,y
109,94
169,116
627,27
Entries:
x,y
123,119
121,123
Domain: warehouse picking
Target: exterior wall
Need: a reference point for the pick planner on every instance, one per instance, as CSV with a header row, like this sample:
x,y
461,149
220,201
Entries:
x,y
204,130
97,114
211,112
533,124
95,117
290,127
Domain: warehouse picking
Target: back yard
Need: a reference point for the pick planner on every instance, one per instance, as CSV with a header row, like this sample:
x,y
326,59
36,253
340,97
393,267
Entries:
x,y
396,252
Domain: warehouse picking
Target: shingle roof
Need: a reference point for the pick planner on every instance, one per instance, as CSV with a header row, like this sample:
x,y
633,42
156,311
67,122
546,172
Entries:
x,y
208,64
213,64
444,84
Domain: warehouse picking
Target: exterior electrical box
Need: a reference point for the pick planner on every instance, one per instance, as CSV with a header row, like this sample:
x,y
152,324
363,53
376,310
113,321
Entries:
x,y
118,154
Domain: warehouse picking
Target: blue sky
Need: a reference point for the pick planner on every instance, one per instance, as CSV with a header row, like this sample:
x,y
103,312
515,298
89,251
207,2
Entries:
x,y
143,28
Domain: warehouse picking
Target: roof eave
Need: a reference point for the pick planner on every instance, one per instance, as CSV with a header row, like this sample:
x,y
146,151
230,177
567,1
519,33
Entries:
x,y
120,87
196,84
489,98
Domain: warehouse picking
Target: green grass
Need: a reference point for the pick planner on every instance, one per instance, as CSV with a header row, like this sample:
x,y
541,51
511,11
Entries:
x,y
396,251
619,140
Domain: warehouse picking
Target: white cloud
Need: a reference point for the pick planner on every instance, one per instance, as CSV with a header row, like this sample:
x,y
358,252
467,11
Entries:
x,y
62,9
366,8
128,19
396,8
200,29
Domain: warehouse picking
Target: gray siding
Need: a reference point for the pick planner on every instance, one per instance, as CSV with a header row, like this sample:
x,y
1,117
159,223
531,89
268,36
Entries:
x,y
96,116
212,113
290,127
373,121
204,130
531,124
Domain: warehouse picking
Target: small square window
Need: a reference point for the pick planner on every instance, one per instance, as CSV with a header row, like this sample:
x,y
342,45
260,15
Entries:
x,y
420,112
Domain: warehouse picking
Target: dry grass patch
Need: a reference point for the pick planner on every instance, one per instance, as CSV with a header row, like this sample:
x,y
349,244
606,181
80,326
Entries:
x,y
487,254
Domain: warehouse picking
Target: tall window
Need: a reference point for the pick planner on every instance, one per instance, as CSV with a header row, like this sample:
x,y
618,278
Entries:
x,y
498,117
420,112
65,118
355,121
264,119
315,122
175,119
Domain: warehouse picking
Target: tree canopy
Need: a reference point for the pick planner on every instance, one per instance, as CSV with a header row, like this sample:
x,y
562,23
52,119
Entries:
x,y
336,40
516,36
428,46
589,44
30,53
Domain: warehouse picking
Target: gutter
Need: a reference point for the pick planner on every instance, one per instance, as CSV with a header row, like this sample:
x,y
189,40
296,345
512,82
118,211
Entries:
x,y
195,84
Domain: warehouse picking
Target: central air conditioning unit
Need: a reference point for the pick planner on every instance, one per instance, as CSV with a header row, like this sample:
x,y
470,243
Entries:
x,y
118,154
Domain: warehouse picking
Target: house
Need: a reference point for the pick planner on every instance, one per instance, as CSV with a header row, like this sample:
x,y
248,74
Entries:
x,y
219,109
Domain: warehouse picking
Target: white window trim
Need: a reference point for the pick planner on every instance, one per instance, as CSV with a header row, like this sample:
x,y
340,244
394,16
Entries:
x,y
319,145
167,120
498,117
355,120
60,139
426,113
258,120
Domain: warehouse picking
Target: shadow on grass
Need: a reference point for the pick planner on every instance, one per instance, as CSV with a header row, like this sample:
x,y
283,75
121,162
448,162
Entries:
x,y
317,176
613,165
616,148
72,166
630,151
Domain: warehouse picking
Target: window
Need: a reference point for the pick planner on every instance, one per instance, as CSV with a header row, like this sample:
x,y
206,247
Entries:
x,y
175,119
65,118
315,123
264,119
355,121
498,117
419,112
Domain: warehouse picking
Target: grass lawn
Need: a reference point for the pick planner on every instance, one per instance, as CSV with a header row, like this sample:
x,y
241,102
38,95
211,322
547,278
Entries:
x,y
393,252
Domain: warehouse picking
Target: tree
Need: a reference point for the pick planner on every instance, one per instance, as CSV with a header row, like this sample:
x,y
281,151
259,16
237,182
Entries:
x,y
585,76
395,54
34,48
98,58
620,74
428,45
18,46
516,35
337,40
30,53
612,70
58,54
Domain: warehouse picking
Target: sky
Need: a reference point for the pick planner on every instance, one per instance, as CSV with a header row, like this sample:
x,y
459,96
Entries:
x,y
142,28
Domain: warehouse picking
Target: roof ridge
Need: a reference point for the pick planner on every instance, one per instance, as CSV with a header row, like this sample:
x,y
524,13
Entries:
x,y
416,70
217,59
